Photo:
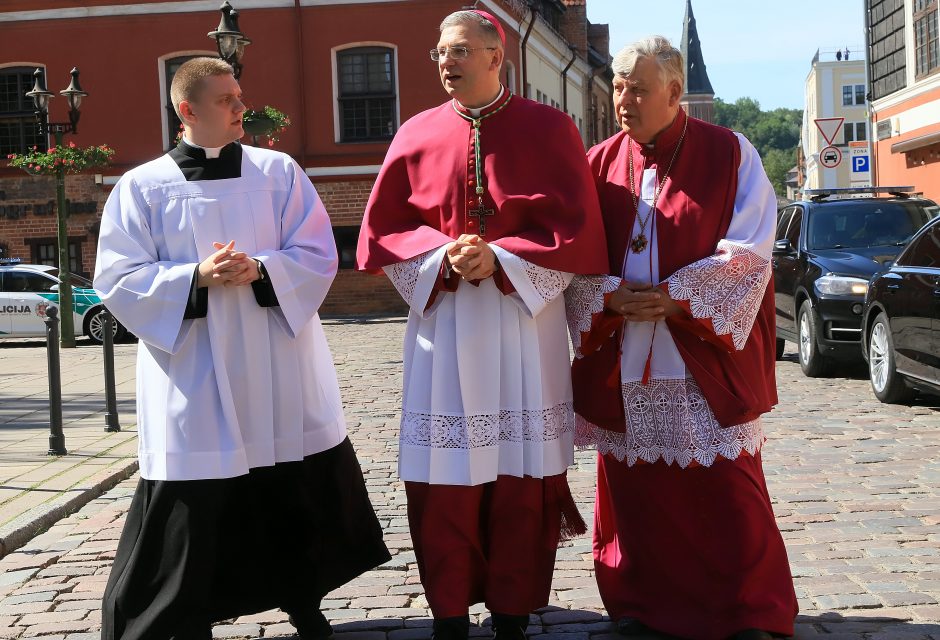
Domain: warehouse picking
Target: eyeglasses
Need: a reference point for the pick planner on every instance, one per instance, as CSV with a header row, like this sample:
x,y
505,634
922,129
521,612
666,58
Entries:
x,y
455,53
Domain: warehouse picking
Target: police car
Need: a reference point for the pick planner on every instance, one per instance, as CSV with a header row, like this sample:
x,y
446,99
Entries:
x,y
27,291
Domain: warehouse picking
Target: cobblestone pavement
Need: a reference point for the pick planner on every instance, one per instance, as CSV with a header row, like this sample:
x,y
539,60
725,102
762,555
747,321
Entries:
x,y
855,484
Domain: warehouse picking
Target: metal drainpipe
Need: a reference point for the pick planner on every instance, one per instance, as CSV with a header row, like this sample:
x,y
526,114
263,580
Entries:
x,y
525,66
303,86
564,79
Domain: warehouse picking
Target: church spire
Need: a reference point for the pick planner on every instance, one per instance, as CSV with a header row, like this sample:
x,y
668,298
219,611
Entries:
x,y
696,78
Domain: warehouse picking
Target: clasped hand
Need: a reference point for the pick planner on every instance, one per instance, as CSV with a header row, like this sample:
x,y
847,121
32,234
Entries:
x,y
471,257
227,267
642,303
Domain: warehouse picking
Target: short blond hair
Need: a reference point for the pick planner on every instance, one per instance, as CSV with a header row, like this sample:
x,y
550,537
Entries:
x,y
188,79
669,59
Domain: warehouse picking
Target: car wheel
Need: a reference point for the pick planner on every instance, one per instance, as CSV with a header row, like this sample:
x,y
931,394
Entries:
x,y
885,381
94,327
781,345
813,363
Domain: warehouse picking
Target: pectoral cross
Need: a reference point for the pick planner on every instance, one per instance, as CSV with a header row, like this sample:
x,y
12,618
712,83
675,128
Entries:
x,y
482,212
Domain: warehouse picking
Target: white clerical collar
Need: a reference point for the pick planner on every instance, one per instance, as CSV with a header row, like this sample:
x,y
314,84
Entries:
x,y
211,152
476,112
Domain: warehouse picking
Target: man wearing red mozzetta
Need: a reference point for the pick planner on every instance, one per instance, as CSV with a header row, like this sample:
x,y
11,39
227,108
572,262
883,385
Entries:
x,y
675,365
482,212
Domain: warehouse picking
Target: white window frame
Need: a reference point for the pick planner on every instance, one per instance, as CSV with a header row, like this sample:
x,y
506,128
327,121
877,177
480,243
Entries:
x,y
334,70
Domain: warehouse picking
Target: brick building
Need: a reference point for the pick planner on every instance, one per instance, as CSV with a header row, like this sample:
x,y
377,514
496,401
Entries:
x,y
347,72
903,38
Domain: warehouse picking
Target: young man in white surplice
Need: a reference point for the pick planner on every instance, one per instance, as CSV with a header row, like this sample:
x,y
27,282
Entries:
x,y
217,256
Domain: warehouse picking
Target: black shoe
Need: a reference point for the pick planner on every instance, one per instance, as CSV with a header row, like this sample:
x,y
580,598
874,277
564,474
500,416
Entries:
x,y
506,627
456,628
631,627
752,634
311,625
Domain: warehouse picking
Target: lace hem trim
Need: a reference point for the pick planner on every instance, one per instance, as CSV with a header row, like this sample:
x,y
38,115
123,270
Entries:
x,y
486,429
670,420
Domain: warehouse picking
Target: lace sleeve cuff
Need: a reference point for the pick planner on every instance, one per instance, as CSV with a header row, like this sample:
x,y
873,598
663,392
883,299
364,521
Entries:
x,y
585,305
723,292
533,286
415,279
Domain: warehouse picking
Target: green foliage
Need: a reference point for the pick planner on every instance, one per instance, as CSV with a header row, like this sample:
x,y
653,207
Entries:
x,y
279,119
775,134
68,158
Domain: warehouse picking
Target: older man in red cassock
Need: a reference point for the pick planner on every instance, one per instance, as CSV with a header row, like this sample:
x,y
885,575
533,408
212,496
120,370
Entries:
x,y
482,212
674,367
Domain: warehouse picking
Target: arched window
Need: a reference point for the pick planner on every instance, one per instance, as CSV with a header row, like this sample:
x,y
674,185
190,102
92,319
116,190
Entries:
x,y
18,127
366,94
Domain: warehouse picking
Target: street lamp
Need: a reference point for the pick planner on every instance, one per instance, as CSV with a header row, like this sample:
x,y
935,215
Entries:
x,y
41,96
229,39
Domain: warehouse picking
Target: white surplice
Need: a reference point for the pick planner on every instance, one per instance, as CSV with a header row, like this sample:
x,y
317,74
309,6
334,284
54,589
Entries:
x,y
246,386
487,389
668,418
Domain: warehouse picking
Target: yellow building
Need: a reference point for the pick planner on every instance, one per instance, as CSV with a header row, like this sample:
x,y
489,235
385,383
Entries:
x,y
836,88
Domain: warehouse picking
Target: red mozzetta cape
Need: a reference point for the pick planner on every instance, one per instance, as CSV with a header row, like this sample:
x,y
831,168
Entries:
x,y
536,177
693,214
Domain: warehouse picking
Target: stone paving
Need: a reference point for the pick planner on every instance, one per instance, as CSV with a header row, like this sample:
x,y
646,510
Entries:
x,y
37,489
855,484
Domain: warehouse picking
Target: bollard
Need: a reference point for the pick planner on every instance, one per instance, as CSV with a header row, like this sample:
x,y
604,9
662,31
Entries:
x,y
110,393
56,436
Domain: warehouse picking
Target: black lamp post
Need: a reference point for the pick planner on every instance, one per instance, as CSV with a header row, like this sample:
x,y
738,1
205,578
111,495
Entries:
x,y
229,39
41,97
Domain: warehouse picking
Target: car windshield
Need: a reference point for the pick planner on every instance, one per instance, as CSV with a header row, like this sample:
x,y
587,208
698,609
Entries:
x,y
77,280
867,224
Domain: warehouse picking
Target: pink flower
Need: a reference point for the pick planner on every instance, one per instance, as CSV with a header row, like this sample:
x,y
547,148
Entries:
x,y
270,143
71,145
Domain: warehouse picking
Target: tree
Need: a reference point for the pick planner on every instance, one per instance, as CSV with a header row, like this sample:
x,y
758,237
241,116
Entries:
x,y
775,134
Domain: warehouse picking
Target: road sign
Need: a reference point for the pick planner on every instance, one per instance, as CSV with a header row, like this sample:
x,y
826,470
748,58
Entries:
x,y
830,157
829,127
860,161
860,164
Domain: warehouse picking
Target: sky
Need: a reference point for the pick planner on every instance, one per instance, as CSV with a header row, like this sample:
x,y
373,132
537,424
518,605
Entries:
x,y
759,49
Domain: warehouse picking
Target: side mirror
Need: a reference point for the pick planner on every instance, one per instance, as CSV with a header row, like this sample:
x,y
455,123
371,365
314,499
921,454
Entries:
x,y
782,247
54,287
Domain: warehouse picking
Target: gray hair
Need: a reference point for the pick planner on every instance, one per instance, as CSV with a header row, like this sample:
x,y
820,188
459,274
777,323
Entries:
x,y
667,57
468,18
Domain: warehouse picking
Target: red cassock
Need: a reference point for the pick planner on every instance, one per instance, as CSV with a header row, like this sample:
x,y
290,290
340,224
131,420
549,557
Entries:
x,y
692,551
495,541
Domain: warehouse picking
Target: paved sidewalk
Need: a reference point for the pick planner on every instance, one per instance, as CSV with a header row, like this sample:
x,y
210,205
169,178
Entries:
x,y
37,489
855,485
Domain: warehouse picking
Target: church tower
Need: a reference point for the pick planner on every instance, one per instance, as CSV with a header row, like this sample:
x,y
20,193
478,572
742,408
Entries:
x,y
699,97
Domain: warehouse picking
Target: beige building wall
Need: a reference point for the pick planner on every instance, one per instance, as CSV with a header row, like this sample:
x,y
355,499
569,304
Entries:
x,y
824,91
548,55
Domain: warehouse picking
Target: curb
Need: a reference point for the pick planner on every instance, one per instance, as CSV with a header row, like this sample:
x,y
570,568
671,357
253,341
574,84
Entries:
x,y
25,527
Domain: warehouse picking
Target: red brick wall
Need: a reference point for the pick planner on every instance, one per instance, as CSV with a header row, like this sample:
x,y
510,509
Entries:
x,y
27,211
355,293
345,200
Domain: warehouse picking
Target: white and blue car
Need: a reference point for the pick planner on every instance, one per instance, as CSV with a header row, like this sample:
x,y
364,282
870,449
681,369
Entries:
x,y
27,291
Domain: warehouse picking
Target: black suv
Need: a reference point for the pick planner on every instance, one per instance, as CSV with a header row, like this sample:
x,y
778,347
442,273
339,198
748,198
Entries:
x,y
827,248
